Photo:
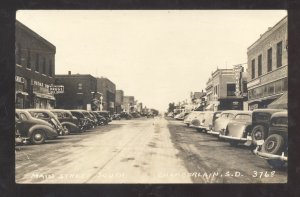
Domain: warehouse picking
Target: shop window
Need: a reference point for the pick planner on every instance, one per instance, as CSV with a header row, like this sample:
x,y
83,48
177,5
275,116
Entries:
x,y
37,59
259,64
253,69
279,54
265,90
259,92
80,86
270,88
278,86
231,89
270,60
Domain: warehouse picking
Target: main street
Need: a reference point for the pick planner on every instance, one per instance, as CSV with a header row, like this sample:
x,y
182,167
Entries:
x,y
141,151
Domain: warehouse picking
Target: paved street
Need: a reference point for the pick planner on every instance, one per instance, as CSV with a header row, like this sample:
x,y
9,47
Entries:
x,y
141,151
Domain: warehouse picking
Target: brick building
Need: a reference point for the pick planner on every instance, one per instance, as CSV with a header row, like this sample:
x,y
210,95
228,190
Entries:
x,y
119,101
128,102
35,69
80,92
268,67
108,90
221,91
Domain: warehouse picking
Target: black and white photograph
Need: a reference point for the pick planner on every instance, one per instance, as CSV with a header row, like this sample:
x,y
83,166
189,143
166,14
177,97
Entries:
x,y
151,96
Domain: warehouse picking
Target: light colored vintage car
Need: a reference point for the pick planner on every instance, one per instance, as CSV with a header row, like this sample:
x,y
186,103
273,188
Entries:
x,y
238,129
205,121
275,148
222,121
192,115
197,121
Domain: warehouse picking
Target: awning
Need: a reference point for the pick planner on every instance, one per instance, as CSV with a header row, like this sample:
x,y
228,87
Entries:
x,y
21,92
209,107
45,96
280,103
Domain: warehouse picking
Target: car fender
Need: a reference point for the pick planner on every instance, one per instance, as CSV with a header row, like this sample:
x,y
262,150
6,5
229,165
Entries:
x,y
71,125
49,131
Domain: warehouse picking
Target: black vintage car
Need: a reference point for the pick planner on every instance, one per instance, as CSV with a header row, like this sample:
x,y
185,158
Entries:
x,y
106,115
91,118
68,121
48,116
116,117
85,122
275,148
101,120
261,123
126,115
33,130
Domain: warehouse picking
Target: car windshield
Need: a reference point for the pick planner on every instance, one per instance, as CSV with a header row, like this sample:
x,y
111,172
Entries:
x,y
243,117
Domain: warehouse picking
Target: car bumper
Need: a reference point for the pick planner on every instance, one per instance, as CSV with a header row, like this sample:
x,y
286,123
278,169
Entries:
x,y
234,138
213,132
269,156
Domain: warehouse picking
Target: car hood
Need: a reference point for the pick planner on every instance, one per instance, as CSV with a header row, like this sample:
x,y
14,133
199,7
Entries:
x,y
236,128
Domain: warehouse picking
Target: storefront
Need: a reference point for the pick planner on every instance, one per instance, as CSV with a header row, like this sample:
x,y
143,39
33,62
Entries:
x,y
20,94
41,96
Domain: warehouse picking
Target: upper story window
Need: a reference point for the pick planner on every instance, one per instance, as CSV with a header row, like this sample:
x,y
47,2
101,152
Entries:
x,y
28,58
44,68
269,60
253,69
231,89
259,65
279,54
50,68
80,86
18,54
37,62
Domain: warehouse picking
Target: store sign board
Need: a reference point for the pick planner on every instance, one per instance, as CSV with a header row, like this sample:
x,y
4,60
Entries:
x,y
20,79
56,89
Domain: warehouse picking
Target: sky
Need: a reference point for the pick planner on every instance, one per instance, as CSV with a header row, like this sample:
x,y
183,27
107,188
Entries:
x,y
156,56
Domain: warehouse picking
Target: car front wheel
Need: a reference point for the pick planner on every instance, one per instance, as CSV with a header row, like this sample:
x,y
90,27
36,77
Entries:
x,y
273,145
38,137
258,133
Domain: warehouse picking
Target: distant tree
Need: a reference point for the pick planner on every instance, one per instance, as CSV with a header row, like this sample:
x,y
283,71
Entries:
x,y
171,107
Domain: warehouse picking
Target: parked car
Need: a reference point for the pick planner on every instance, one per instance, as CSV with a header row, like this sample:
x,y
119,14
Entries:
x,y
275,148
101,120
33,130
18,137
116,117
192,115
68,121
261,123
221,123
94,118
208,120
85,122
197,121
125,115
106,115
48,116
238,129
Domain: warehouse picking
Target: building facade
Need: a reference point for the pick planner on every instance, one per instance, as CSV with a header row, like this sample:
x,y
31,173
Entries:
x,y
80,92
221,90
108,90
119,101
35,69
128,103
268,67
